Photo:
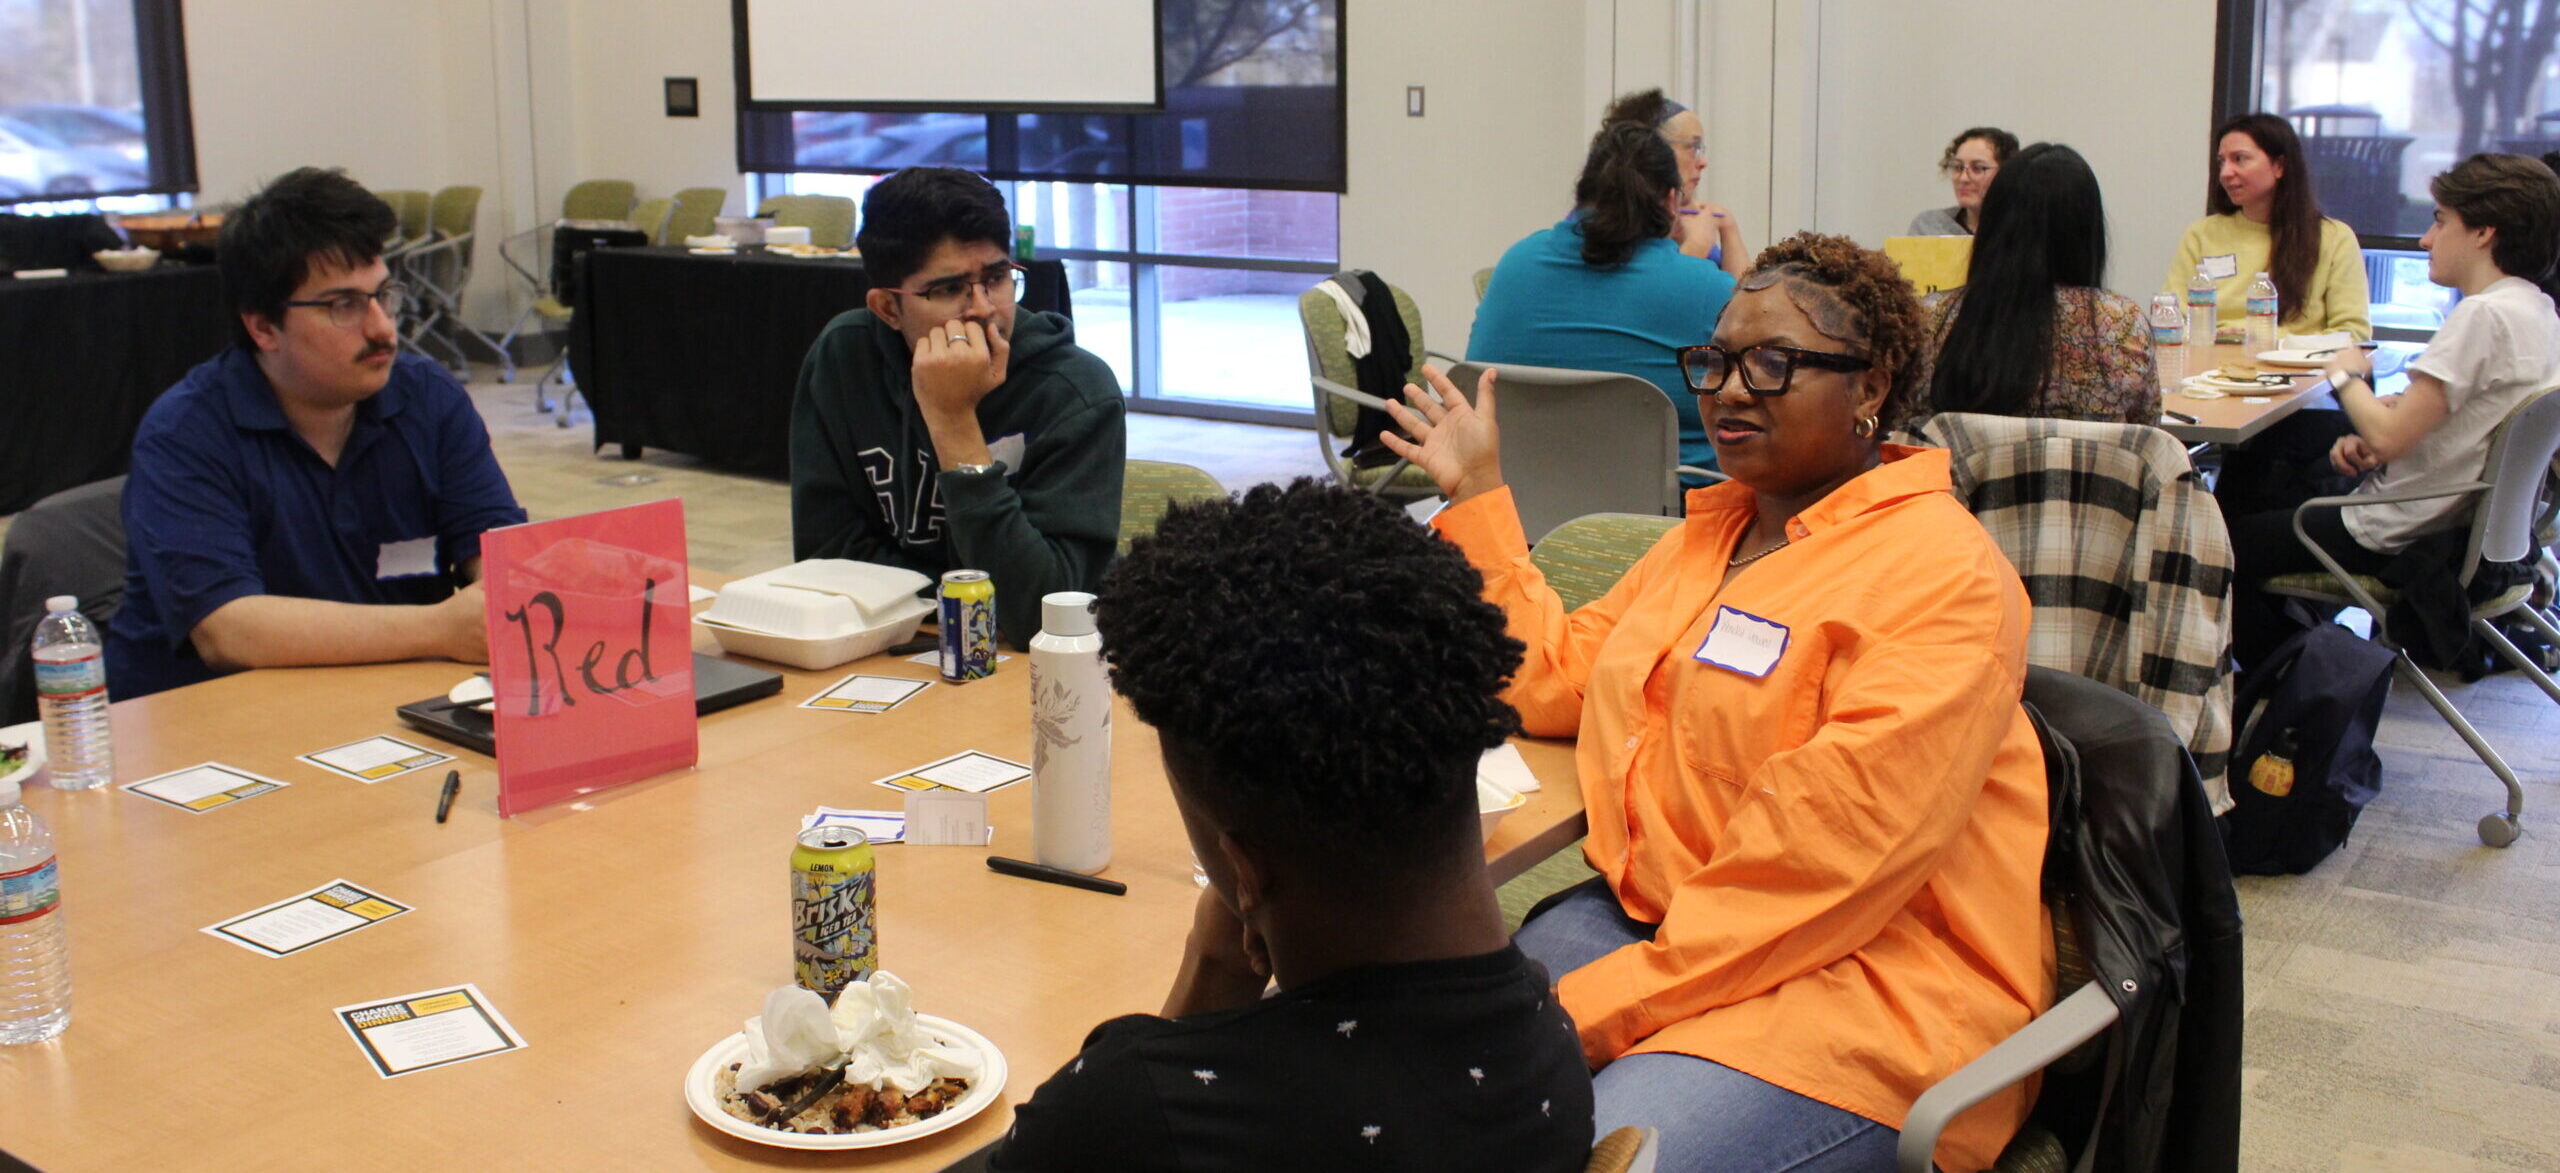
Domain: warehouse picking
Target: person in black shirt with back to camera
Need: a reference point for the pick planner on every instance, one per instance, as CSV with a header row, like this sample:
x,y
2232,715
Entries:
x,y
1322,674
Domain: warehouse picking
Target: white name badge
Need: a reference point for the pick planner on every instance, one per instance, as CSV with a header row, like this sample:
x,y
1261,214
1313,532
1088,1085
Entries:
x,y
410,559
1008,451
1743,642
2222,268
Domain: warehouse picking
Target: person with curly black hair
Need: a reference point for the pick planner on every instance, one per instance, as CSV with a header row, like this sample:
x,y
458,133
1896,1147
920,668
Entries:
x,y
1322,675
1816,807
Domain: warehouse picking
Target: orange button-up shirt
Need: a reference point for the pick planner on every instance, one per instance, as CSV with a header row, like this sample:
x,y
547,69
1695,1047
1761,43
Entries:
x,y
1842,852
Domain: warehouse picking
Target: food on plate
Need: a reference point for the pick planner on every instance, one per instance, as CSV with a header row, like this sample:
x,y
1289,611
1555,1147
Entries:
x,y
11,756
2240,372
862,1066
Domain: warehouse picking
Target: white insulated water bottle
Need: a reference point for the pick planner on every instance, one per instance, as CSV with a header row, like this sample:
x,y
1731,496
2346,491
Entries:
x,y
1070,738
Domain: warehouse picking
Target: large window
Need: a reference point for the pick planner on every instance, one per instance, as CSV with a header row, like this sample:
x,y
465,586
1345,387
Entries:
x,y
2386,94
1191,294
93,100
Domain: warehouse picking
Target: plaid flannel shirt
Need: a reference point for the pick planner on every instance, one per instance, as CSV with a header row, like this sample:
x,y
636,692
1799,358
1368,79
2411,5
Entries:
x,y
2125,558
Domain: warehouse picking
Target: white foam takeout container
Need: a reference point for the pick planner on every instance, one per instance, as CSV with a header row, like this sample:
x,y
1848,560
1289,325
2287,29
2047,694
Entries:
x,y
819,613
1494,800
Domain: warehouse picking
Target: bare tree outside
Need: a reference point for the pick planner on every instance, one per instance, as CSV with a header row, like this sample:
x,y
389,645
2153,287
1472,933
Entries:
x,y
1251,42
2497,49
73,51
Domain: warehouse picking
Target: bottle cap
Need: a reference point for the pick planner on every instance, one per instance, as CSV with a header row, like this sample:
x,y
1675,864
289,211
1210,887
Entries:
x,y
1066,613
60,603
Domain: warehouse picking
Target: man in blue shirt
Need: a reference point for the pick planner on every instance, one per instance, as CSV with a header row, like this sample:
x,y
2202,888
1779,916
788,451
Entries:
x,y
311,495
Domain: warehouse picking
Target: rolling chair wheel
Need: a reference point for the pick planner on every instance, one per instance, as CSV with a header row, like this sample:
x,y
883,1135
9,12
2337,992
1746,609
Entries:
x,y
2499,830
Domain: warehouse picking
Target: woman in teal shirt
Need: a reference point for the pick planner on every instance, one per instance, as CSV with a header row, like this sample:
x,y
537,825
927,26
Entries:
x,y
1608,289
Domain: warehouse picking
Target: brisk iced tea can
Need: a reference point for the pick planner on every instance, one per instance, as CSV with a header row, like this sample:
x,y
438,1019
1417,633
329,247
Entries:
x,y
968,625
833,940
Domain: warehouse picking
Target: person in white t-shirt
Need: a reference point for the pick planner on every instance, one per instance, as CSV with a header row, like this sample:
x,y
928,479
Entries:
x,y
2496,234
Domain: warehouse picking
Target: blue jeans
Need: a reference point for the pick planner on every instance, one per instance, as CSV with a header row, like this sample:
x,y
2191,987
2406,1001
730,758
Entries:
x,y
1712,1117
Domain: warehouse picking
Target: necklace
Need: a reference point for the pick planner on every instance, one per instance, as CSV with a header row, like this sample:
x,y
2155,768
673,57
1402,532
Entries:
x,y
1747,559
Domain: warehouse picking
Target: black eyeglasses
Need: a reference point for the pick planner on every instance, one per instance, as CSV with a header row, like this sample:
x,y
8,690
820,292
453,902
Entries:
x,y
346,309
1766,368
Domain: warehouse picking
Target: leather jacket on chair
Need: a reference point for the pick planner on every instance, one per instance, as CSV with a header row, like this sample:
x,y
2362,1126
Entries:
x,y
2142,864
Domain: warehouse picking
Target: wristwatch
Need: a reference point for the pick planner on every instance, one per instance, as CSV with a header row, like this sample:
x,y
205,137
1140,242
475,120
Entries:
x,y
976,469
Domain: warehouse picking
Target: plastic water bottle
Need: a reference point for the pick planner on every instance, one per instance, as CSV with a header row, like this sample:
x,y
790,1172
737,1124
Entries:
x,y
1070,738
2261,337
2169,337
35,970
71,692
2204,300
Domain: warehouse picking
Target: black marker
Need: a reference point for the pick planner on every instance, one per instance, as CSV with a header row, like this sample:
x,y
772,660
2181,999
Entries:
x,y
1035,871
2179,416
452,786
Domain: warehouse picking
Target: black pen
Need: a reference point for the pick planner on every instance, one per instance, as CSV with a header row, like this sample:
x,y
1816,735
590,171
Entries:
x,y
452,786
2179,416
1036,871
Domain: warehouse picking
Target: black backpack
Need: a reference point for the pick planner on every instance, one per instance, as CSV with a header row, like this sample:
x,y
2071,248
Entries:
x,y
2305,764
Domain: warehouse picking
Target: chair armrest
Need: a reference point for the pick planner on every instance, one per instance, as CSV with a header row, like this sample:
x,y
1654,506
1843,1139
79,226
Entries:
x,y
1339,391
2328,562
1712,476
2054,1033
1446,360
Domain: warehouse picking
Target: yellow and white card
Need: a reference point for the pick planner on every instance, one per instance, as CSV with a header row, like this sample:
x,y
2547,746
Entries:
x,y
325,913
860,693
432,1028
210,786
375,759
975,772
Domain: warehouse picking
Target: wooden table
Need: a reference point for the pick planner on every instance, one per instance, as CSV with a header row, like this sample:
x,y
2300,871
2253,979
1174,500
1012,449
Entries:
x,y
621,935
2236,419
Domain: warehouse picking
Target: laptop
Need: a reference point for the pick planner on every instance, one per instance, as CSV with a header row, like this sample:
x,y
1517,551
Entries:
x,y
717,684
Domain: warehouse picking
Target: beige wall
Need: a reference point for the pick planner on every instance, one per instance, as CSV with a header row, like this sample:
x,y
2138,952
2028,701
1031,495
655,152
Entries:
x,y
354,83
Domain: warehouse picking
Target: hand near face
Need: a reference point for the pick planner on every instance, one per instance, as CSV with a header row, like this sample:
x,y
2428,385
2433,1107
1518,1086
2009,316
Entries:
x,y
956,365
1455,441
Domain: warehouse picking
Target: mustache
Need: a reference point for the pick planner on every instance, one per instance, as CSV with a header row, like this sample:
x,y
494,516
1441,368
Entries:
x,y
378,349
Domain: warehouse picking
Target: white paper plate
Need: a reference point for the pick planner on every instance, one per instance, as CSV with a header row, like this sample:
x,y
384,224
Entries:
x,y
2296,358
702,1082
30,735
712,252
2214,382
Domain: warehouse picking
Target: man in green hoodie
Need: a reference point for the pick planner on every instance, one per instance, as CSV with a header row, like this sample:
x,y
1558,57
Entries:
x,y
938,427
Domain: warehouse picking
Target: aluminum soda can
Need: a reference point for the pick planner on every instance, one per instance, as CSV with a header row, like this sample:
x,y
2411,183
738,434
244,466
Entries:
x,y
968,625
833,939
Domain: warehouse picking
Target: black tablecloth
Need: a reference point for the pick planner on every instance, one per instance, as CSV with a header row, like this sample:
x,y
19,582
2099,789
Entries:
x,y
82,356
699,354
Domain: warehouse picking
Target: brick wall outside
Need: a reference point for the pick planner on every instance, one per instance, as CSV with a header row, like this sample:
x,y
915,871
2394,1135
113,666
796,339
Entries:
x,y
1222,222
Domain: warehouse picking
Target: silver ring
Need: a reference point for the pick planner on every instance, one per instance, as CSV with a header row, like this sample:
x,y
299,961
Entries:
x,y
959,338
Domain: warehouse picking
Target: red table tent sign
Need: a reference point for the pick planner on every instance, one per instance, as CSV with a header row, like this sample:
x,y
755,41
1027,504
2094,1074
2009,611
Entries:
x,y
590,655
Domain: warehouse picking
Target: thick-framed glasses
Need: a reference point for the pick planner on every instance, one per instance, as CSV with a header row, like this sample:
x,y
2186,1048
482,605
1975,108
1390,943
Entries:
x,y
1953,170
1001,283
1766,368
346,309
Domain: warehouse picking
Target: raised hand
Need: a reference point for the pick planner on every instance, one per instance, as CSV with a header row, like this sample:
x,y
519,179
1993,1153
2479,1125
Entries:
x,y
1455,441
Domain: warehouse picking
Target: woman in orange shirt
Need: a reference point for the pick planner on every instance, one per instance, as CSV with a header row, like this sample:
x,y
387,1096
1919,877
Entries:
x,y
1817,809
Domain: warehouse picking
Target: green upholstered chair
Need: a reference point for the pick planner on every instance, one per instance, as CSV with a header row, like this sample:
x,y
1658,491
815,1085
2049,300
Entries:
x,y
651,217
600,199
438,272
696,213
1484,279
829,219
1586,556
1148,487
1339,399
412,209
2512,508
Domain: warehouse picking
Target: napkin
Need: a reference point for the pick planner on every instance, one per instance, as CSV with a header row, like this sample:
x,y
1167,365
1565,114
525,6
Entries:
x,y
791,1036
2332,340
875,1023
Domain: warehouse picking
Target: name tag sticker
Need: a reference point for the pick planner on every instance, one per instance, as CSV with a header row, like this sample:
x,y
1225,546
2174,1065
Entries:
x,y
2222,268
1743,642
410,559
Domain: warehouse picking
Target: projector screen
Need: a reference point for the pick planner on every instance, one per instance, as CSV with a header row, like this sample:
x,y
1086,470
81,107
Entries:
x,y
1090,56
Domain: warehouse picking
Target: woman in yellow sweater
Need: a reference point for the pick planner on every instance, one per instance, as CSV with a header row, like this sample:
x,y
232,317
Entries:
x,y
2264,219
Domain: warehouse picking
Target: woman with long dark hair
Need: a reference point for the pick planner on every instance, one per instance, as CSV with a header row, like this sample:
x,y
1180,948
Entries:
x,y
2033,331
2262,217
1608,289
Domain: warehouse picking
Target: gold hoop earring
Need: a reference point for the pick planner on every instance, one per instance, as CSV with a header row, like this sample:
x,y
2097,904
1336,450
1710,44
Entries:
x,y
1865,427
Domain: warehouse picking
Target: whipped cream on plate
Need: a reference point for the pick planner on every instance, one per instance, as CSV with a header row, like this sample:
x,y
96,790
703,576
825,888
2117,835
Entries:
x,y
871,1030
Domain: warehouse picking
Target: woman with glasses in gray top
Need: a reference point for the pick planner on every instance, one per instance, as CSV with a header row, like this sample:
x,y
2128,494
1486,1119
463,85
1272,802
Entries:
x,y
1971,159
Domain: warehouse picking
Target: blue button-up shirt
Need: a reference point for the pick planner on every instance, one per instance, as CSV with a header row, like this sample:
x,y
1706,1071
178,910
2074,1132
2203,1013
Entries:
x,y
225,501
